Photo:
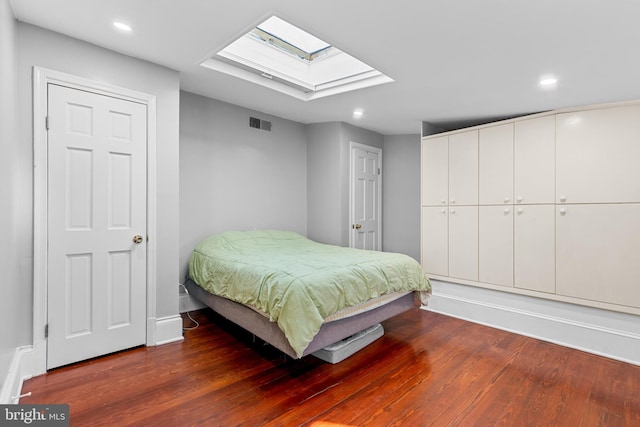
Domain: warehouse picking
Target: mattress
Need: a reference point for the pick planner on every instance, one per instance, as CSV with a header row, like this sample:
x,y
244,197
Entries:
x,y
298,283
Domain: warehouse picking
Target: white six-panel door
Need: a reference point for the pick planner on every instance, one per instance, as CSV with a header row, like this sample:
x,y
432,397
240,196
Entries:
x,y
365,227
96,289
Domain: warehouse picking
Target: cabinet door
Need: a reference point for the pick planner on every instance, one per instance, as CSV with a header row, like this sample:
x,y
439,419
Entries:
x,y
535,248
463,242
496,165
598,153
435,237
598,252
463,168
496,245
534,160
435,171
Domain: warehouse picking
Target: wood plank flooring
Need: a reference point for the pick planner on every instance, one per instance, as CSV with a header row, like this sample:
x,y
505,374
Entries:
x,y
427,370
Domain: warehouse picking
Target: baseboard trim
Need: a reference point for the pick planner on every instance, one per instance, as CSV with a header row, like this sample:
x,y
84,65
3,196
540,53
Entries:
x,y
12,386
168,329
609,334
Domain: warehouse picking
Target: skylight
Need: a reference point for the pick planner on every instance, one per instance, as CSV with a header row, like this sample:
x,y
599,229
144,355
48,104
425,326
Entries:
x,y
291,39
283,57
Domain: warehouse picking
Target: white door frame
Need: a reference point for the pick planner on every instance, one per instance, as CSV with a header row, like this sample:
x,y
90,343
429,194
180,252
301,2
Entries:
x,y
352,147
42,77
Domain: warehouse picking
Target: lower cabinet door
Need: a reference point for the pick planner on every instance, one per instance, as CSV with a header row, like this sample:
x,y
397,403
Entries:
x,y
463,242
535,248
598,252
496,245
435,240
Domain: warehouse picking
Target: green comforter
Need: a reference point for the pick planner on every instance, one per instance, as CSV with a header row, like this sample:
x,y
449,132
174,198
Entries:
x,y
296,281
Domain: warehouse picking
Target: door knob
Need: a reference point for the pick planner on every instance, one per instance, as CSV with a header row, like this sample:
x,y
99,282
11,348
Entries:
x,y
137,238
357,226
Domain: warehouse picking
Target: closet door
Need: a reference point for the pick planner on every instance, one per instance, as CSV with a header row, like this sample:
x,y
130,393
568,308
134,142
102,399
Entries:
x,y
496,245
435,241
435,171
463,168
598,152
535,248
534,160
463,242
598,252
496,165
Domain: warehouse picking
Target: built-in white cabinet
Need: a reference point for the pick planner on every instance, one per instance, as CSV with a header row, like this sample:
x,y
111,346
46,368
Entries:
x,y
545,205
450,170
496,165
449,243
449,205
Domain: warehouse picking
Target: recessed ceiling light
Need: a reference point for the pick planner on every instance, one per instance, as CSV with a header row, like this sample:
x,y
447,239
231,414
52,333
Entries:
x,y
548,82
357,114
122,26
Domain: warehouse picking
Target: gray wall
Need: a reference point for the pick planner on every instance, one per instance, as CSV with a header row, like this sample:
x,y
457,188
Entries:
x,y
328,177
324,183
9,309
38,47
401,195
233,177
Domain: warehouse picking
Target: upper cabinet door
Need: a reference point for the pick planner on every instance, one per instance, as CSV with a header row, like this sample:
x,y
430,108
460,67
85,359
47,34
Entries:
x,y
597,155
534,160
496,165
435,171
463,168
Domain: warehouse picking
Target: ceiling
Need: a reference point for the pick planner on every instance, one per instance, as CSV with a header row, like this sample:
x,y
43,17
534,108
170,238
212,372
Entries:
x,y
454,62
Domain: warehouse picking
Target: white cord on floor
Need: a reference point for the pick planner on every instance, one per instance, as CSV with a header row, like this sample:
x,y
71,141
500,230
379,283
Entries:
x,y
188,313
193,320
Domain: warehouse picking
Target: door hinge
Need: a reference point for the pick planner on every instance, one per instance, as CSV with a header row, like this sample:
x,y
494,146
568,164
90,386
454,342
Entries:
x,y
378,171
46,122
46,330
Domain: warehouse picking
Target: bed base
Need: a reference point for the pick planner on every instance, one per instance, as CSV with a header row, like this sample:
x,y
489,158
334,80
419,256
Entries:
x,y
330,332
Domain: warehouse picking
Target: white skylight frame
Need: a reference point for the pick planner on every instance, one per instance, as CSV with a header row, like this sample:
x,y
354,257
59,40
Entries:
x,y
307,69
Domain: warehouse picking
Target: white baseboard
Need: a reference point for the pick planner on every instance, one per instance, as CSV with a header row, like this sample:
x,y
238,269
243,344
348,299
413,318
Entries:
x,y
168,329
602,332
18,373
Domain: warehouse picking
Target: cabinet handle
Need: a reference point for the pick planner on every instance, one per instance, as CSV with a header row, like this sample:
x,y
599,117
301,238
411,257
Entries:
x,y
520,211
444,211
519,199
453,211
563,211
443,201
563,198
506,211
453,201
507,199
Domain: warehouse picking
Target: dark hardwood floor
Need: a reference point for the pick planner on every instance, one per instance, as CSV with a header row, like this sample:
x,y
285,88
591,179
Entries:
x,y
427,370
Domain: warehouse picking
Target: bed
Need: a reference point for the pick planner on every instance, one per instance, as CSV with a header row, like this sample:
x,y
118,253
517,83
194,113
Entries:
x,y
299,295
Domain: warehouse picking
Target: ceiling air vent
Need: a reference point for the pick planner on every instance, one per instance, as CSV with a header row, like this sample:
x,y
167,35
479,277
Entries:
x,y
259,124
